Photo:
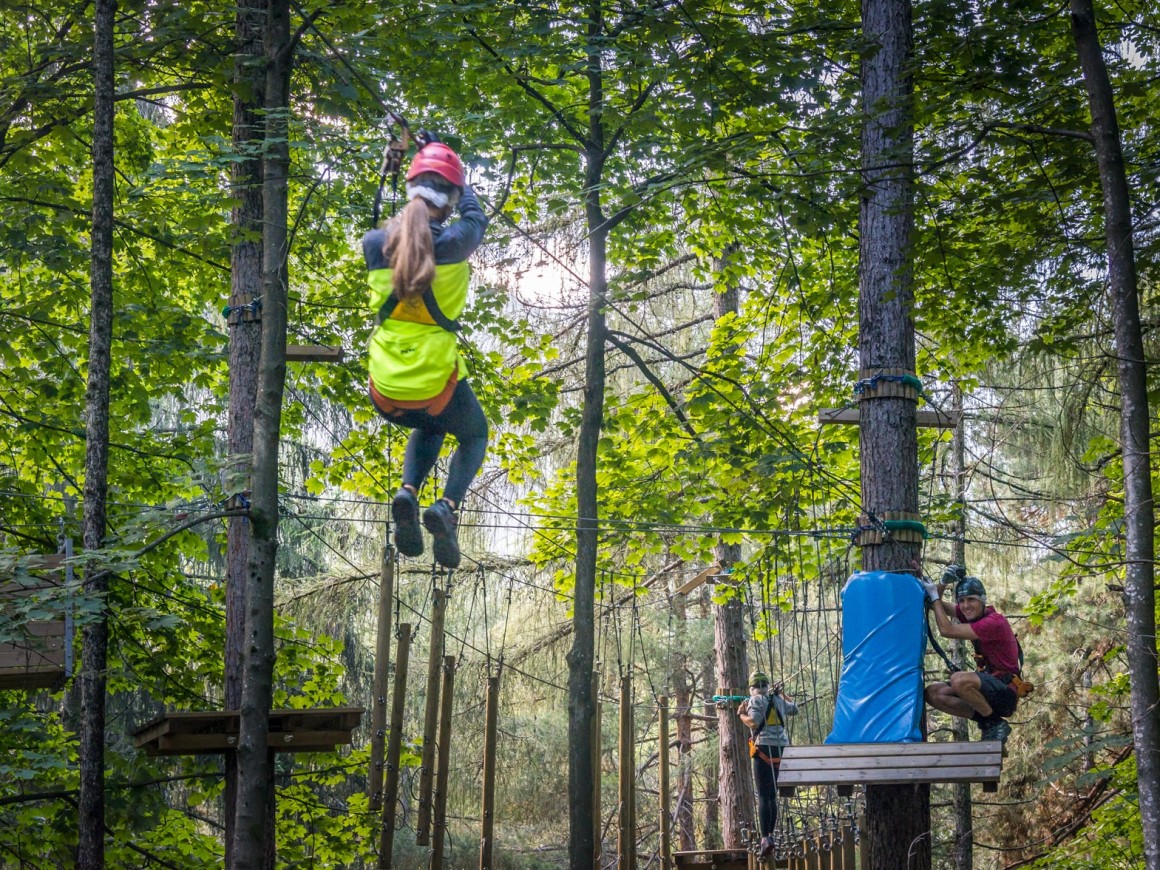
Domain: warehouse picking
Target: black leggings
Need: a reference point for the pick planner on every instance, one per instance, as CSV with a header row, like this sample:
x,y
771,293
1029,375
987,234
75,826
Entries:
x,y
462,418
765,780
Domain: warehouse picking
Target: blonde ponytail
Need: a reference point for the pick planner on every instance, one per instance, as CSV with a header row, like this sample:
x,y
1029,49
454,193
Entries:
x,y
410,250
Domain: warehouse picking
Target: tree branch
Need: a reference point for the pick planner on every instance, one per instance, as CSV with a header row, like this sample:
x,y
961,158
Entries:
x,y
617,339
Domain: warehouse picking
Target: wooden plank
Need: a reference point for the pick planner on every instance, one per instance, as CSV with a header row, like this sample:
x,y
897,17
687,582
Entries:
x,y
874,750
41,646
225,721
690,585
925,418
979,773
823,765
313,353
14,658
720,859
212,744
32,678
47,631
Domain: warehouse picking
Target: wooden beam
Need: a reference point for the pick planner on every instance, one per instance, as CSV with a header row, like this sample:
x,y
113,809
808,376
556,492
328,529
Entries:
x,y
690,585
382,671
430,718
894,750
34,677
213,744
394,746
313,353
925,418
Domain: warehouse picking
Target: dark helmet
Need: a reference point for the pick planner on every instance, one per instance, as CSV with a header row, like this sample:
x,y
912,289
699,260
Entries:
x,y
970,586
759,678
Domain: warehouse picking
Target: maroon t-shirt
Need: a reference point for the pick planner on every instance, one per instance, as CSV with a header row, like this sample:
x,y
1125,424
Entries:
x,y
996,639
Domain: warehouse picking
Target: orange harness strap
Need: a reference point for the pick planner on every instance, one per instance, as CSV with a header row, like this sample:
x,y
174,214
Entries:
x,y
756,751
434,406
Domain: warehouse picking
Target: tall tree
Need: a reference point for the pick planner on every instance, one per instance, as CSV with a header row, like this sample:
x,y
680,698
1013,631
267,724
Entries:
x,y
1139,509
729,643
245,345
91,810
255,796
897,816
581,813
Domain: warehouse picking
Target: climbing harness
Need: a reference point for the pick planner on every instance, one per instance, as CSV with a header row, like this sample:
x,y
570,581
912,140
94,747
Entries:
x,y
434,312
1020,686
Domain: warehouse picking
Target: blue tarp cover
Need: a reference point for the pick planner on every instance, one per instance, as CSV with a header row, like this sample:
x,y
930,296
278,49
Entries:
x,y
883,644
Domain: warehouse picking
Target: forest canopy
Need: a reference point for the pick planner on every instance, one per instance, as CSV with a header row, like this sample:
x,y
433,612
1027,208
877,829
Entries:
x,y
715,175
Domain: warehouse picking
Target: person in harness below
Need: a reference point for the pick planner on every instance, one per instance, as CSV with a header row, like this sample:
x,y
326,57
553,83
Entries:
x,y
989,695
765,713
418,275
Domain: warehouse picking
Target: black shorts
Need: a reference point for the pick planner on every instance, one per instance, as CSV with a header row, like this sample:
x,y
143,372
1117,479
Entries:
x,y
999,695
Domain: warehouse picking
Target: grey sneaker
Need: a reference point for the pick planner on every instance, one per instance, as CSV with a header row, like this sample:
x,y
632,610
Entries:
x,y
408,535
765,848
441,522
1000,731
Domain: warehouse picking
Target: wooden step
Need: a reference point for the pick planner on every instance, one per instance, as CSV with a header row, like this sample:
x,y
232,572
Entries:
x,y
849,764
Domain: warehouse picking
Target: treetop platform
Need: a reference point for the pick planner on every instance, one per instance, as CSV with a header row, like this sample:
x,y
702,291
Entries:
x,y
848,764
33,652
215,731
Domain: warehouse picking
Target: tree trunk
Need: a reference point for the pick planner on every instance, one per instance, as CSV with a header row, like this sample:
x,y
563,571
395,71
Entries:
x,y
729,643
683,697
581,842
1139,580
964,850
897,817
734,776
712,837
255,796
245,347
95,637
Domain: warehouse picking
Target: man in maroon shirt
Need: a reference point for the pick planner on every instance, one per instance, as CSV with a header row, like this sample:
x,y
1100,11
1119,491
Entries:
x,y
985,695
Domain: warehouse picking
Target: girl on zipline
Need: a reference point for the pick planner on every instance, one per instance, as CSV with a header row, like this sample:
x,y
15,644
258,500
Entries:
x,y
418,276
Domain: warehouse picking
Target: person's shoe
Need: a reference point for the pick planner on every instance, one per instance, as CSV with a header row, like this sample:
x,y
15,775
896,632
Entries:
x,y
765,848
441,522
998,730
408,535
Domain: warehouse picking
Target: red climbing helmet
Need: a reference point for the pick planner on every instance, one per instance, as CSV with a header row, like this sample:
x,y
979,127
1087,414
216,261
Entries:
x,y
441,160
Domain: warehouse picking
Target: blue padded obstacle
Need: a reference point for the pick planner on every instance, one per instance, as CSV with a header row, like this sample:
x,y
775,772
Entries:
x,y
883,644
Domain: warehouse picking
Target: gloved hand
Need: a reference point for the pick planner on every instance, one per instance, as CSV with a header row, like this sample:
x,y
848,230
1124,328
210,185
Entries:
x,y
426,137
953,574
931,589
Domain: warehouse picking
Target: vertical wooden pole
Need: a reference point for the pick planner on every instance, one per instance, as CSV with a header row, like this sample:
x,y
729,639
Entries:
x,y
382,669
597,818
626,835
430,718
663,785
849,849
439,837
633,827
394,746
491,724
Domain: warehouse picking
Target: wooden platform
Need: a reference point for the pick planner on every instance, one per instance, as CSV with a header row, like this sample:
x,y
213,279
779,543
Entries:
x,y
722,859
924,418
848,764
212,732
313,353
34,659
